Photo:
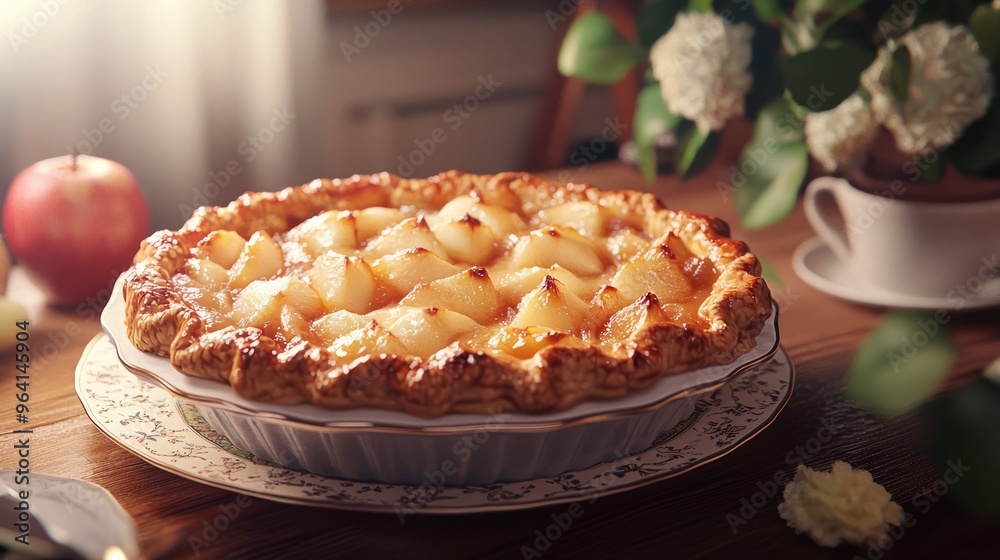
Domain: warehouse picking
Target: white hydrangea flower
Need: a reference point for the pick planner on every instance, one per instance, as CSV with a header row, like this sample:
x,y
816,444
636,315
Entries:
x,y
950,87
841,505
842,135
701,64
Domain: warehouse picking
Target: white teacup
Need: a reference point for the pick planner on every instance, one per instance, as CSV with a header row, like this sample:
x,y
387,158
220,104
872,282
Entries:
x,y
925,249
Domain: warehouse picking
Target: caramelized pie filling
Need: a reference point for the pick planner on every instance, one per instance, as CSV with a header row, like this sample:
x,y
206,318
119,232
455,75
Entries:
x,y
411,281
454,293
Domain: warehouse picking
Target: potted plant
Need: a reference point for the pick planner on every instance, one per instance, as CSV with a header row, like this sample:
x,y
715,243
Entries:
x,y
891,106
873,91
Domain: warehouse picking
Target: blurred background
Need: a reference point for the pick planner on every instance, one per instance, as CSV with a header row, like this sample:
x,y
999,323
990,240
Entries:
x,y
206,99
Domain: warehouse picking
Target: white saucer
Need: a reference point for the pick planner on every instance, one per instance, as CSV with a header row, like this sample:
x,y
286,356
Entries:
x,y
71,518
819,267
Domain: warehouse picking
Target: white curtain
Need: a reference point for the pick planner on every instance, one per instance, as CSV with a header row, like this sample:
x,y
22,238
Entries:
x,y
177,91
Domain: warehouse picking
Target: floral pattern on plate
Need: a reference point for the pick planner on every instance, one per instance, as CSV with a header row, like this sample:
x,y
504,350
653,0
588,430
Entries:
x,y
147,421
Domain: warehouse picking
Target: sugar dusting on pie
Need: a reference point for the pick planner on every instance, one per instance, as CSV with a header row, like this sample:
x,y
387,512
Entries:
x,y
454,293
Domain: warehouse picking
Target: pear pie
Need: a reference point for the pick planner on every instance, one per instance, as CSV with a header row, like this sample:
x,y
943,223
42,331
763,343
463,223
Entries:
x,y
455,293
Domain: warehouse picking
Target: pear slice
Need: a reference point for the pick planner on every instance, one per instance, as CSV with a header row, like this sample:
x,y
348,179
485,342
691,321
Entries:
x,y
223,247
657,270
373,221
525,342
261,258
514,285
406,269
606,302
502,222
585,217
642,313
425,331
343,282
336,324
470,293
558,245
552,306
294,325
625,244
260,303
466,240
699,271
408,234
331,230
387,315
370,340
206,273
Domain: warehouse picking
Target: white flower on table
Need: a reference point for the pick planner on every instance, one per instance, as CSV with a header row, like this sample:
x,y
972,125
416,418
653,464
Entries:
x,y
841,136
701,64
950,86
841,505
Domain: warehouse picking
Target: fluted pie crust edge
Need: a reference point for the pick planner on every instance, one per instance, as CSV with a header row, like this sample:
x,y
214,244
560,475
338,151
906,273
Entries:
x,y
456,379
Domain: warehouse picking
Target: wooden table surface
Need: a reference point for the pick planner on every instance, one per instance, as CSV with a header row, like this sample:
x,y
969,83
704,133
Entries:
x,y
681,517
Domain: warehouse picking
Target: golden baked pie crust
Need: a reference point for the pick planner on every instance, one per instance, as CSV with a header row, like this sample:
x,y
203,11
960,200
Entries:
x,y
457,378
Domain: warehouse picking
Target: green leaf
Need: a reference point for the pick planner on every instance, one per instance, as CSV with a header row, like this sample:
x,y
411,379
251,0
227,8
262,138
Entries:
x,y
902,362
984,23
700,5
655,18
979,147
695,149
823,77
841,8
796,36
836,9
766,10
652,118
769,274
647,162
931,166
899,74
778,121
864,95
964,435
770,191
595,51
955,12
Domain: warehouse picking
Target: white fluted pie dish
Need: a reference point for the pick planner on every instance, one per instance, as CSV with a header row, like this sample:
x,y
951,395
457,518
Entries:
x,y
454,449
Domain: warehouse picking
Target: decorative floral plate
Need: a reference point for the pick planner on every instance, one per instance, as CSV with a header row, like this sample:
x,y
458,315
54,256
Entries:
x,y
145,420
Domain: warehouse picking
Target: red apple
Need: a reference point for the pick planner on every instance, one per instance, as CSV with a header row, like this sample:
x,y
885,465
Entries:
x,y
75,222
